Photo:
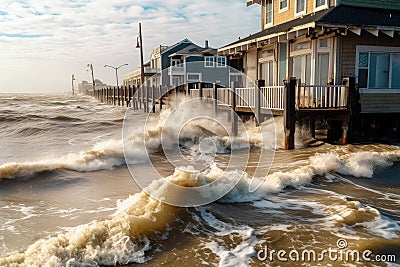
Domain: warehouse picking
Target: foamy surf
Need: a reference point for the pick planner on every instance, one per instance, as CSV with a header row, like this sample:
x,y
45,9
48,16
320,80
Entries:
x,y
126,236
122,238
357,164
103,155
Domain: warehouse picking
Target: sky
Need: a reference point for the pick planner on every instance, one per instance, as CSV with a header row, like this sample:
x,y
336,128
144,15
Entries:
x,y
44,42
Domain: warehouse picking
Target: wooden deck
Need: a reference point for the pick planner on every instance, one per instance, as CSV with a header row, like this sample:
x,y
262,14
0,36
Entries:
x,y
294,101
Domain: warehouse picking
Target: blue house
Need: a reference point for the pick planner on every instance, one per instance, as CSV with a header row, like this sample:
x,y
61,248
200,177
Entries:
x,y
186,62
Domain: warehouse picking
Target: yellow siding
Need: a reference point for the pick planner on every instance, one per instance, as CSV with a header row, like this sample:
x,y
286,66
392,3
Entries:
x,y
288,15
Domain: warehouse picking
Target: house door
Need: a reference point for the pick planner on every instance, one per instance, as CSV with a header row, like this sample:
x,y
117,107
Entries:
x,y
177,80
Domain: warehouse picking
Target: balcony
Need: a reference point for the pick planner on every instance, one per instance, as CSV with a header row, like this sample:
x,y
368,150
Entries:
x,y
176,70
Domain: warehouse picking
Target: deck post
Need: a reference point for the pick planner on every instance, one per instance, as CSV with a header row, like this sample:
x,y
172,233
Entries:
x,y
108,95
200,85
147,99
125,96
353,107
161,96
153,102
215,96
122,95
114,96
129,96
119,95
141,96
234,116
290,112
260,83
312,127
345,132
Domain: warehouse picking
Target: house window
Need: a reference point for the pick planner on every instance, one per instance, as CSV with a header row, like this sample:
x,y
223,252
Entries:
x,y
267,72
379,70
193,77
221,62
302,68
209,62
320,3
323,43
269,11
283,5
301,46
322,70
300,7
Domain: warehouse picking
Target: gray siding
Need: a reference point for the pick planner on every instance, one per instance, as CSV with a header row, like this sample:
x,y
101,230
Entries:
x,y
380,103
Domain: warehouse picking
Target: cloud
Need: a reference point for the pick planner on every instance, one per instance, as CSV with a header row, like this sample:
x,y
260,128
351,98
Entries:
x,y
58,37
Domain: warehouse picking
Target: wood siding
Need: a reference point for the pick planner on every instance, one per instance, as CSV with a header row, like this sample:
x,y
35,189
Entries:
x,y
288,15
350,42
380,103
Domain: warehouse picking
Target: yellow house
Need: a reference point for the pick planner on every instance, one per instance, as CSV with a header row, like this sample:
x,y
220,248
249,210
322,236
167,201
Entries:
x,y
321,41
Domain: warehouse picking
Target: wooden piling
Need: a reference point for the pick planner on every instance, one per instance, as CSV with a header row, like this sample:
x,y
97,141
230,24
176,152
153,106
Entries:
x,y
146,100
345,131
200,86
113,100
234,116
260,83
289,112
215,96
153,101
119,96
312,126
161,96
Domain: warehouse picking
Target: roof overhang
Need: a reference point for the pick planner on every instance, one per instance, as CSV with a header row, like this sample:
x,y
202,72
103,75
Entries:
x,y
303,29
186,55
270,38
374,30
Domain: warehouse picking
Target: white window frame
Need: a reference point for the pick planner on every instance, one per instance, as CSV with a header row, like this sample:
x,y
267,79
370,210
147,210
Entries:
x,y
376,49
221,65
296,14
324,6
194,73
272,13
206,62
283,9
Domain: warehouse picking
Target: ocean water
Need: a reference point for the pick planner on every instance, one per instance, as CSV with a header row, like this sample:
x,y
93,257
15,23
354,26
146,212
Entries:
x,y
67,197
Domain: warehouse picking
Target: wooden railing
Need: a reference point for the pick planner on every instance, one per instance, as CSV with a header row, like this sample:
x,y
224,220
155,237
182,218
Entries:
x,y
272,97
323,97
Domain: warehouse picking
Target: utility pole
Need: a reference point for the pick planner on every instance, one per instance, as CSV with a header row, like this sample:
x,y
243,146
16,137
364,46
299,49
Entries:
x,y
139,44
73,79
91,69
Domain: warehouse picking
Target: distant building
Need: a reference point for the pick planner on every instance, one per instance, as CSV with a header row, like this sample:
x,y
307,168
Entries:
x,y
189,63
85,86
181,63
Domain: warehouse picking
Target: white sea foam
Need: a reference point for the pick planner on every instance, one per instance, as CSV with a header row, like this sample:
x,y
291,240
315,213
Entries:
x,y
241,253
122,238
103,155
358,164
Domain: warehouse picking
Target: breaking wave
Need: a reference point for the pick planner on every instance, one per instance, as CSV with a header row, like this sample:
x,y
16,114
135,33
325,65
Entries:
x,y
103,155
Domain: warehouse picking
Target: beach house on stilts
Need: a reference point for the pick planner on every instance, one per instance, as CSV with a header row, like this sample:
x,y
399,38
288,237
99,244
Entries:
x,y
320,42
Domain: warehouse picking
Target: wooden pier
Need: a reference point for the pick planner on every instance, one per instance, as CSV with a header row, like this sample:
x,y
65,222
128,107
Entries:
x,y
298,103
